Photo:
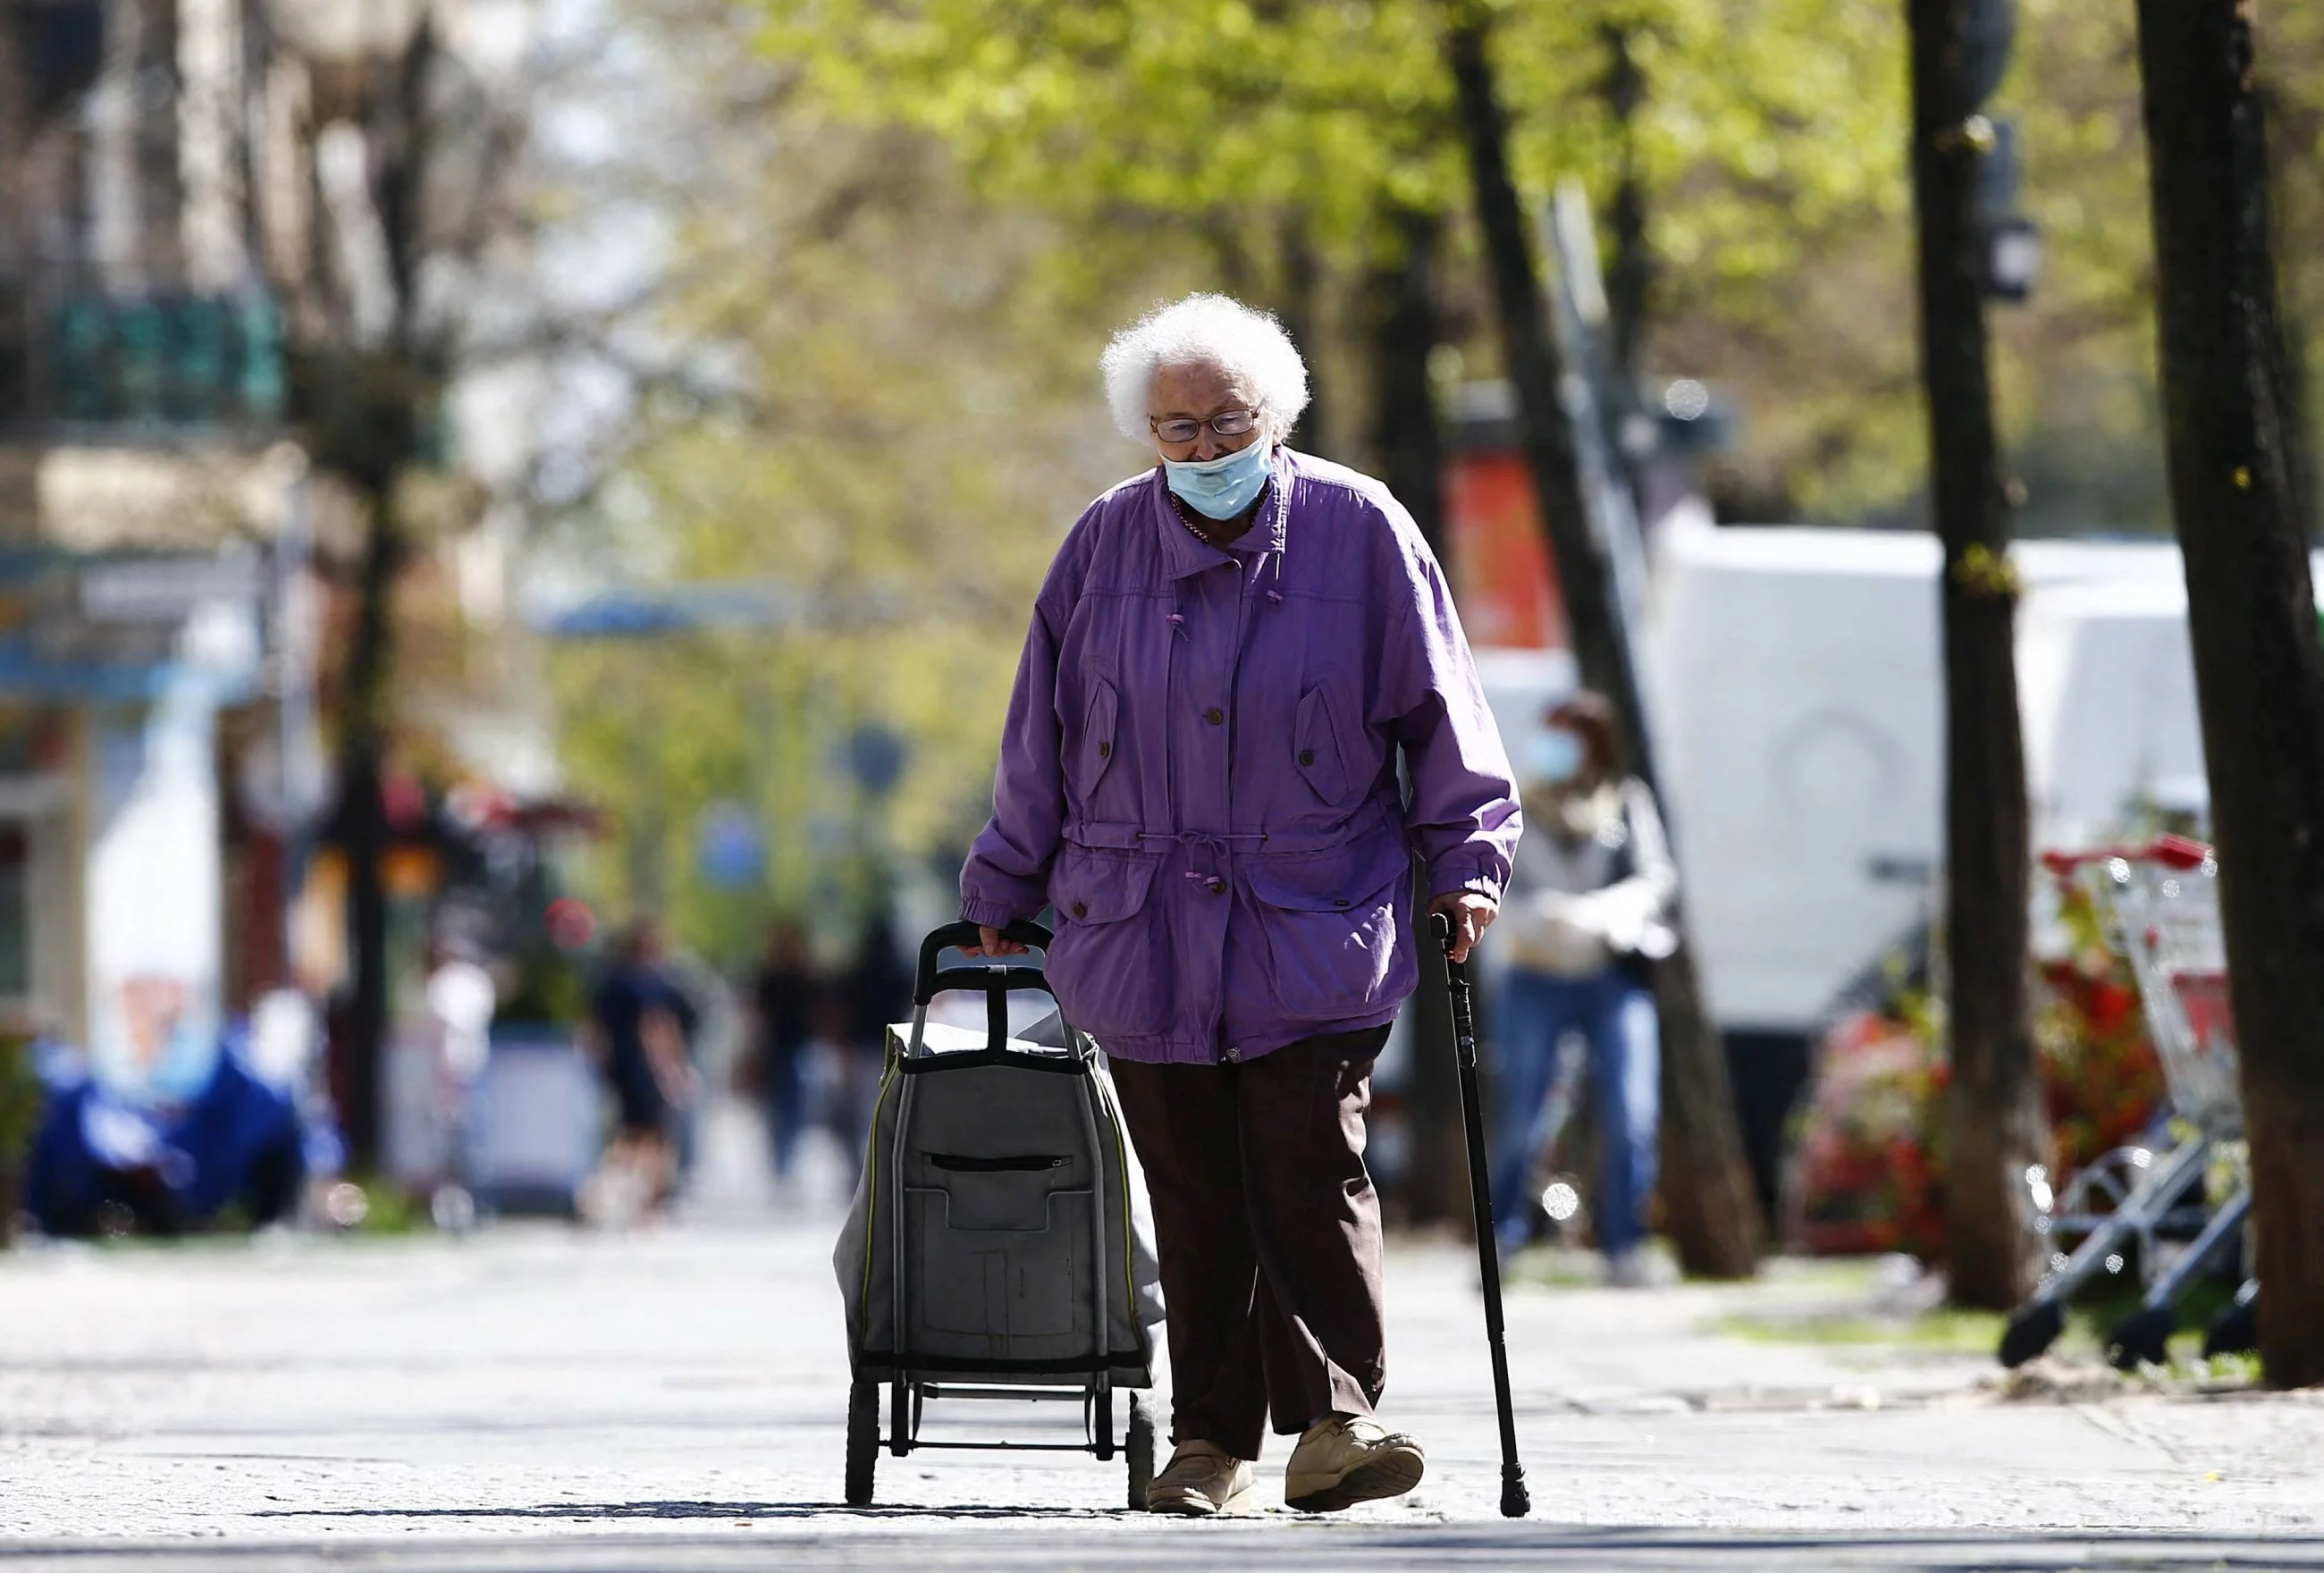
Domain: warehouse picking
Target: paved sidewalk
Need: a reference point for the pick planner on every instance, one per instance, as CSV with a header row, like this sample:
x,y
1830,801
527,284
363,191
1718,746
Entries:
x,y
540,1398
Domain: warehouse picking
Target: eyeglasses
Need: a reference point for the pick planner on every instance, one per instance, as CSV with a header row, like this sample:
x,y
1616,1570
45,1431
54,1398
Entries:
x,y
1226,423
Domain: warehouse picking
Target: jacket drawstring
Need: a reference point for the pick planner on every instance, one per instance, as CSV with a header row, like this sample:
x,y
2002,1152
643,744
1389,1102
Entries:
x,y
1214,841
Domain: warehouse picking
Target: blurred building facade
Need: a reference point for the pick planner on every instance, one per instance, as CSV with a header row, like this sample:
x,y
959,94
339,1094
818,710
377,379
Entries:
x,y
158,750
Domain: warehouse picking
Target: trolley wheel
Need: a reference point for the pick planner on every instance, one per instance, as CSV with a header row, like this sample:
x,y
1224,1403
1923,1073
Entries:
x,y
2142,1338
2031,1329
1139,1450
1100,1425
862,1441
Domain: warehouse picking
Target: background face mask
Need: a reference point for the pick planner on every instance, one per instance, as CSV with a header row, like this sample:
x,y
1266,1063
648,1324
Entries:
x,y
1556,756
1223,487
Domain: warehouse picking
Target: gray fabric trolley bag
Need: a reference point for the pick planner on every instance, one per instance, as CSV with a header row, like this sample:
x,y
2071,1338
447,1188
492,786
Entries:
x,y
999,1245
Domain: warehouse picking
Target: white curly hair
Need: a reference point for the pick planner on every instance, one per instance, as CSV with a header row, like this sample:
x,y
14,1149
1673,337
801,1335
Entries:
x,y
1216,329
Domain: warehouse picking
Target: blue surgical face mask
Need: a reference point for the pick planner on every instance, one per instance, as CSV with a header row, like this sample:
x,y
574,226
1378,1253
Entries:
x,y
1223,487
1556,757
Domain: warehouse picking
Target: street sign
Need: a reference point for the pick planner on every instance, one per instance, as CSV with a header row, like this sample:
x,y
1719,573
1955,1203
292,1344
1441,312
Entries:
x,y
730,845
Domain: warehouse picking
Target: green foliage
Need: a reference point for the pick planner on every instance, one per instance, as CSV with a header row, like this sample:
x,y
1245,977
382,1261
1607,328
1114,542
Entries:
x,y
389,1208
20,1118
1941,1330
1771,141
1220,110
548,987
1771,138
20,1099
917,424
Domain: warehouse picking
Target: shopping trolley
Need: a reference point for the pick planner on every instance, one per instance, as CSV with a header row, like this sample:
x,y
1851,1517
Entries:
x,y
2162,903
999,1245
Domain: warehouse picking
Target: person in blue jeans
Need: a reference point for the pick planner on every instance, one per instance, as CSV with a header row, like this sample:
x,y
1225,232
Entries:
x,y
1588,912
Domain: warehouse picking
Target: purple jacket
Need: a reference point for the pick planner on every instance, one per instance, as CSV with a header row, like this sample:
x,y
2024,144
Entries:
x,y
1199,769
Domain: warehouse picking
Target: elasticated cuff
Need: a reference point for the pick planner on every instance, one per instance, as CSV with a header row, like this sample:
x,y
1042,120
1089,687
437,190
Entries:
x,y
988,913
1463,872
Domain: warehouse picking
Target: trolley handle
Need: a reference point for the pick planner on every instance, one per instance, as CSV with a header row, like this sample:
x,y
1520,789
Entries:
x,y
996,980
954,936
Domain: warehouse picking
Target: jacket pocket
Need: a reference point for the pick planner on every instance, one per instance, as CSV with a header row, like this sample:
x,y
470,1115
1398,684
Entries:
x,y
1092,752
1333,920
1315,747
1111,963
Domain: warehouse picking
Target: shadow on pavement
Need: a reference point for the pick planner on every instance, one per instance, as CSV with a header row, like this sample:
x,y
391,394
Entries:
x,y
584,1512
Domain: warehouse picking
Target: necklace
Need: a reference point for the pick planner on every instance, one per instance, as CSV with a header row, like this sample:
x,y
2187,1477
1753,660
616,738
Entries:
x,y
1195,526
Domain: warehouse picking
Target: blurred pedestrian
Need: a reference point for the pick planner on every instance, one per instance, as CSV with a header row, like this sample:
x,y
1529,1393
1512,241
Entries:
x,y
642,1023
1588,912
1199,770
783,995
878,993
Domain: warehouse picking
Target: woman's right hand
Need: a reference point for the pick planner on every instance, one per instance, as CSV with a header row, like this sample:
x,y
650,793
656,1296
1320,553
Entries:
x,y
989,943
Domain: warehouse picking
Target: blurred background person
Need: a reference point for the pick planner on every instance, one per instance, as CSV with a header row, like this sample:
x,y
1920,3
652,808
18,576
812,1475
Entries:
x,y
878,993
784,993
643,1021
1590,890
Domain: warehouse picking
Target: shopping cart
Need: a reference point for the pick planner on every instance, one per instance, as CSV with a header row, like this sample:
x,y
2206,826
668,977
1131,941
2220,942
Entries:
x,y
999,1245
2162,903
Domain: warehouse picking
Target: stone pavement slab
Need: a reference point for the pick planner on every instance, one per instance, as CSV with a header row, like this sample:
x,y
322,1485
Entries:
x,y
534,1397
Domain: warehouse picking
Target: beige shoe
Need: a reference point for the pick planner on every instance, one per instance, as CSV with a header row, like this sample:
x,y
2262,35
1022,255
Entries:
x,y
1202,1480
1347,1460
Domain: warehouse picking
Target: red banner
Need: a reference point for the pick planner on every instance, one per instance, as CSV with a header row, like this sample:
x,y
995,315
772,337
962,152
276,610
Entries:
x,y
1502,577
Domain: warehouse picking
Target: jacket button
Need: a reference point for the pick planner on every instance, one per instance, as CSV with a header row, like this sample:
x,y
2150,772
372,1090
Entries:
x,y
1217,886
1306,756
1081,909
1105,751
1215,716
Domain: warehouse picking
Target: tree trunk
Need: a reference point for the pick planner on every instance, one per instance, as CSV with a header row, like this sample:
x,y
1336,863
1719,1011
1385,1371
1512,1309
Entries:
x,y
1711,1210
364,835
370,406
1408,447
1408,437
1303,274
1629,277
2294,189
1993,1123
2236,463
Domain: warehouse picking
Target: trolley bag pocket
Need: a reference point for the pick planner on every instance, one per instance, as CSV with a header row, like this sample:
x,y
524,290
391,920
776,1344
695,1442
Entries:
x,y
999,1203
1007,1195
959,1165
1001,1257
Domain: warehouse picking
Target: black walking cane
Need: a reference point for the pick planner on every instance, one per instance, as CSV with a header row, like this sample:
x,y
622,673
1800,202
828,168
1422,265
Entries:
x,y
1514,1502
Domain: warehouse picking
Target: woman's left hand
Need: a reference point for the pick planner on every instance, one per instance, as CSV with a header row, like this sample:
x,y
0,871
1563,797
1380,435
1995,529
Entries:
x,y
1472,915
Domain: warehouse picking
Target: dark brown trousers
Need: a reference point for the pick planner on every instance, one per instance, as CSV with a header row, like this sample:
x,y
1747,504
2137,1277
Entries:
x,y
1270,1234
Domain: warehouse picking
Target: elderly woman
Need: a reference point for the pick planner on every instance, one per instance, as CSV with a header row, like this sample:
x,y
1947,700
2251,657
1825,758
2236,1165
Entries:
x,y
1199,774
